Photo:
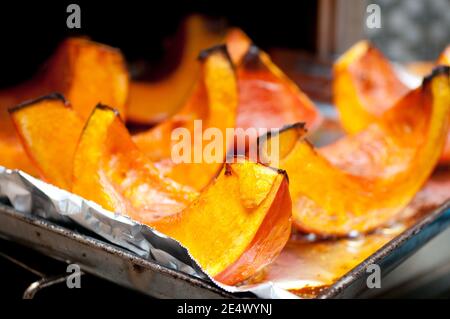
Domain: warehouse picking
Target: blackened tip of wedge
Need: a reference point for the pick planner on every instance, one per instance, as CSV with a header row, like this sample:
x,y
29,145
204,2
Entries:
x,y
105,107
28,103
300,126
228,169
437,71
252,58
297,126
279,171
284,173
221,48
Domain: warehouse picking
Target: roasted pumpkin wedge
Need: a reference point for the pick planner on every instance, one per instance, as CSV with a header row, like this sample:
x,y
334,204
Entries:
x,y
110,170
444,58
268,99
212,106
364,86
235,227
365,180
88,73
49,130
238,44
152,102
85,72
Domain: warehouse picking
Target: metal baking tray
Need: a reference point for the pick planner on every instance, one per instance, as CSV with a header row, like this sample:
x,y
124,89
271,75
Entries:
x,y
110,262
101,258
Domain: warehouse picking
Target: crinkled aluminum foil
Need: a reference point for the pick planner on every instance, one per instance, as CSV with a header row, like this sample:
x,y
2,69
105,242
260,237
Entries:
x,y
29,195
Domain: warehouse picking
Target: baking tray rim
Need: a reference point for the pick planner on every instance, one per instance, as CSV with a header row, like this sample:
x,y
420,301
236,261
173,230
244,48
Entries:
x,y
333,291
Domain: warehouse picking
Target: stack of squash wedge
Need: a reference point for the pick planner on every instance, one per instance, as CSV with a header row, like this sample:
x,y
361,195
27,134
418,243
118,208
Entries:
x,y
68,126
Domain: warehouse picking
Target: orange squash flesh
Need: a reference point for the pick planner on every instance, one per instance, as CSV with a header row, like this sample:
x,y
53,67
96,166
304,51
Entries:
x,y
91,73
49,130
246,210
267,98
444,59
85,72
12,153
238,44
214,102
110,170
14,157
365,180
152,102
365,86
248,203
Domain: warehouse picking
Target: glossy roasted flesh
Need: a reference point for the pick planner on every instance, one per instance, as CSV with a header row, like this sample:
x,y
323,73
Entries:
x,y
444,59
364,180
212,106
366,85
236,226
268,99
49,130
85,72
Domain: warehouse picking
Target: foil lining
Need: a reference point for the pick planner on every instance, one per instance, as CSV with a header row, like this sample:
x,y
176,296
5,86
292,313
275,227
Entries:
x,y
29,195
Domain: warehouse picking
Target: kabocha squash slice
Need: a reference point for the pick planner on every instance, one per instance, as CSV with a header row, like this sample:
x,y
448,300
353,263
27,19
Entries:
x,y
49,130
152,102
233,228
85,72
444,59
366,179
238,44
109,169
268,99
213,105
365,86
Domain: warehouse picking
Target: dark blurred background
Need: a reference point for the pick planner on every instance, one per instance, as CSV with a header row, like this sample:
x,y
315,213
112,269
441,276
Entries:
x,y
411,30
30,31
